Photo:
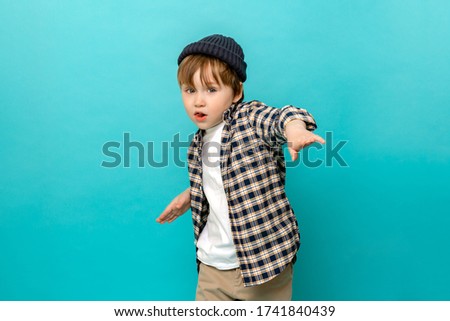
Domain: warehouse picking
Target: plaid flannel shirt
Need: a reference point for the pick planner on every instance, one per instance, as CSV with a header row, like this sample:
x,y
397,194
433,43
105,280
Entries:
x,y
263,224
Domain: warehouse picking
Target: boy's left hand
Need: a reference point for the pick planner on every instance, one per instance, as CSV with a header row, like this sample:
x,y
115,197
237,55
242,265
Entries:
x,y
299,137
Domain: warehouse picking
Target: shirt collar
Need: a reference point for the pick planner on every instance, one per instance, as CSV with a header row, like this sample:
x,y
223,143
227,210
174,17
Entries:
x,y
198,136
229,113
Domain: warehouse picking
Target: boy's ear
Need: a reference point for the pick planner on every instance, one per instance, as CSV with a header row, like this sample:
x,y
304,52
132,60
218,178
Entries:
x,y
238,95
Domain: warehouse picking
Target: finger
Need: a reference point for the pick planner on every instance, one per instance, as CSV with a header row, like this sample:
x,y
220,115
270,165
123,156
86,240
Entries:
x,y
319,139
165,215
294,154
170,217
167,210
312,140
309,142
173,217
162,219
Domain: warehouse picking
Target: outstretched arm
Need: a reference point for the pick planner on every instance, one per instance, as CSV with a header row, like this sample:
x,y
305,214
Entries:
x,y
176,208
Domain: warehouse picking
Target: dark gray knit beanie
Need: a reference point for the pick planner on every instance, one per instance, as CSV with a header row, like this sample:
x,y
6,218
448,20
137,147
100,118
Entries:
x,y
221,47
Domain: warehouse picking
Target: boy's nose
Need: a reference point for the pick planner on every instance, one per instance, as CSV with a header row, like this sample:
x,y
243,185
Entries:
x,y
199,101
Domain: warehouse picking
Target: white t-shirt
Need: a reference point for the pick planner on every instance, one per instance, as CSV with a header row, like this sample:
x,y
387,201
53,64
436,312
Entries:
x,y
215,244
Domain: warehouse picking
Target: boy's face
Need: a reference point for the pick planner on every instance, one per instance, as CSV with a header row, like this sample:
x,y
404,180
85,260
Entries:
x,y
206,103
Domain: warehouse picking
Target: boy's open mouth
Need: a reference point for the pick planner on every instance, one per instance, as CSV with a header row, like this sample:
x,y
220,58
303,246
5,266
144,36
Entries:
x,y
200,116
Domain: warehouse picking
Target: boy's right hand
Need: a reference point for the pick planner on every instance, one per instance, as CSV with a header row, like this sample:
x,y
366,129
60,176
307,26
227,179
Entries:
x,y
176,208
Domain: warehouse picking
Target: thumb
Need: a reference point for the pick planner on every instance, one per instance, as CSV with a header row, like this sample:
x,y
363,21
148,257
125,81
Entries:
x,y
294,154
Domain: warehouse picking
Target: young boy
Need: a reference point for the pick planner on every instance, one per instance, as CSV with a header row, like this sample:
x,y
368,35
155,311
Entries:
x,y
246,233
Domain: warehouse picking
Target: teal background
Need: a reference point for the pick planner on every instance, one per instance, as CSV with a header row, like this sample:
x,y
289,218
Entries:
x,y
77,74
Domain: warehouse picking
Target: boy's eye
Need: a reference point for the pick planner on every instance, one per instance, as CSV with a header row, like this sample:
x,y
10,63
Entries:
x,y
189,90
212,90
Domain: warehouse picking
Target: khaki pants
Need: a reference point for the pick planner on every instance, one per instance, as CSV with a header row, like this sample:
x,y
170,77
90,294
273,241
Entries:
x,y
227,285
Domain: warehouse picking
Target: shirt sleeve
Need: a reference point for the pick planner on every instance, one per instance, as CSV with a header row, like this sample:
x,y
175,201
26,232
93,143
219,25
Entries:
x,y
269,122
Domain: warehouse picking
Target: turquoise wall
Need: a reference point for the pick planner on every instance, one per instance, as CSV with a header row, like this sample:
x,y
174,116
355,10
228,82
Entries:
x,y
75,75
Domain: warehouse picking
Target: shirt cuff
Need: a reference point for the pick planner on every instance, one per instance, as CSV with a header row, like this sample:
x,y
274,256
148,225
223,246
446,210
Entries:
x,y
290,113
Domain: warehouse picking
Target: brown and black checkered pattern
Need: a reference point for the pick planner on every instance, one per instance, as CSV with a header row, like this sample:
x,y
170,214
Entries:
x,y
263,224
